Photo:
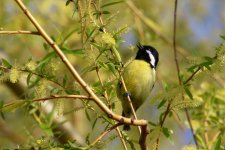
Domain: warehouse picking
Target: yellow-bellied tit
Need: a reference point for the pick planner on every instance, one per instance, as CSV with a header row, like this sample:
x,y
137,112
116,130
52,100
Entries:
x,y
139,77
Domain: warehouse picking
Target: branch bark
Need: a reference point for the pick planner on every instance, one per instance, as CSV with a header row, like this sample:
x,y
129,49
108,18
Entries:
x,y
75,74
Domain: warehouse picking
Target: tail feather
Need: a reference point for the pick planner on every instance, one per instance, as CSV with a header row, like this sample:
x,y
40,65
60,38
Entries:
x,y
126,127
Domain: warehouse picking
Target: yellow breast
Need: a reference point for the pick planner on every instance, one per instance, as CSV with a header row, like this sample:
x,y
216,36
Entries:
x,y
139,79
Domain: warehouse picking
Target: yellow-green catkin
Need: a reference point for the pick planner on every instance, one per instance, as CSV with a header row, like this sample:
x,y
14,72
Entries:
x,y
42,88
60,107
189,147
54,66
108,39
31,65
14,75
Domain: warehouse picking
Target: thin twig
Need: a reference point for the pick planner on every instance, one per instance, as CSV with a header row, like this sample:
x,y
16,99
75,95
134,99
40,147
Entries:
x,y
52,97
178,70
104,91
75,74
162,123
153,26
110,107
34,73
20,32
174,43
103,134
129,101
193,74
123,83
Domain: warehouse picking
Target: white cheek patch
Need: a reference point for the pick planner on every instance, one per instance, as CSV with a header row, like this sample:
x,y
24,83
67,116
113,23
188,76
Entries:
x,y
152,58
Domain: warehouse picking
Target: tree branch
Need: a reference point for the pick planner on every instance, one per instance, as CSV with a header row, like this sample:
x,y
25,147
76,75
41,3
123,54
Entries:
x,y
153,26
20,32
75,74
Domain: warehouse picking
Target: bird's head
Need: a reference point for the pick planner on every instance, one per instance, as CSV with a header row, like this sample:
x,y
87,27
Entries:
x,y
148,54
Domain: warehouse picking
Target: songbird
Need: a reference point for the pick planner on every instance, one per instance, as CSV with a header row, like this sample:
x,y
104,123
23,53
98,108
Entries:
x,y
139,77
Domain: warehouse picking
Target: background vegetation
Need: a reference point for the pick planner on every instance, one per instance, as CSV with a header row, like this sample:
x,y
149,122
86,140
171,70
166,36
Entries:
x,y
94,35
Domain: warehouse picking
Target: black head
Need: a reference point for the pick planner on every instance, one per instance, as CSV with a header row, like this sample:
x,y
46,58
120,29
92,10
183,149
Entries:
x,y
148,54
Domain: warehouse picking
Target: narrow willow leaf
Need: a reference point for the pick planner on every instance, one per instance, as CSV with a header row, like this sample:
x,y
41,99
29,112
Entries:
x,y
28,78
6,64
112,68
161,103
65,78
154,134
111,3
87,115
13,106
94,123
188,92
218,143
68,2
168,133
222,37
1,113
152,123
102,64
72,51
89,34
131,145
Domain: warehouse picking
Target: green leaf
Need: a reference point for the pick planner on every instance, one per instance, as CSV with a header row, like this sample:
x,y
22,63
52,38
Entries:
x,y
46,46
65,78
1,113
94,123
6,64
87,115
161,103
218,143
68,35
72,51
192,68
68,2
112,68
111,3
105,12
89,34
152,123
188,92
46,59
28,78
102,64
167,132
223,37
11,107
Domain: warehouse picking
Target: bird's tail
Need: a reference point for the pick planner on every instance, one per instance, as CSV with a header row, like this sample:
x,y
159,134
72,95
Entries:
x,y
126,127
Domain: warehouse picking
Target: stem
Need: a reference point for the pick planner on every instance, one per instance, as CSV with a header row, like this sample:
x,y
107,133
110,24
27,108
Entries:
x,y
103,134
74,72
162,123
178,70
20,32
153,26
110,106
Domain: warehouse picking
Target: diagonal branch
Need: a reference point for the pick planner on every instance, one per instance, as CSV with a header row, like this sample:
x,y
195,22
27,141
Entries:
x,y
75,74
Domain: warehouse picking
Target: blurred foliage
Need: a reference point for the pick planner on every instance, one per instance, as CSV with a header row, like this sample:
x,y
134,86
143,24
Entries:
x,y
97,36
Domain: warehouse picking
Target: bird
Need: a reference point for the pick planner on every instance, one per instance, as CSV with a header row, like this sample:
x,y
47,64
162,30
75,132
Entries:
x,y
139,77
